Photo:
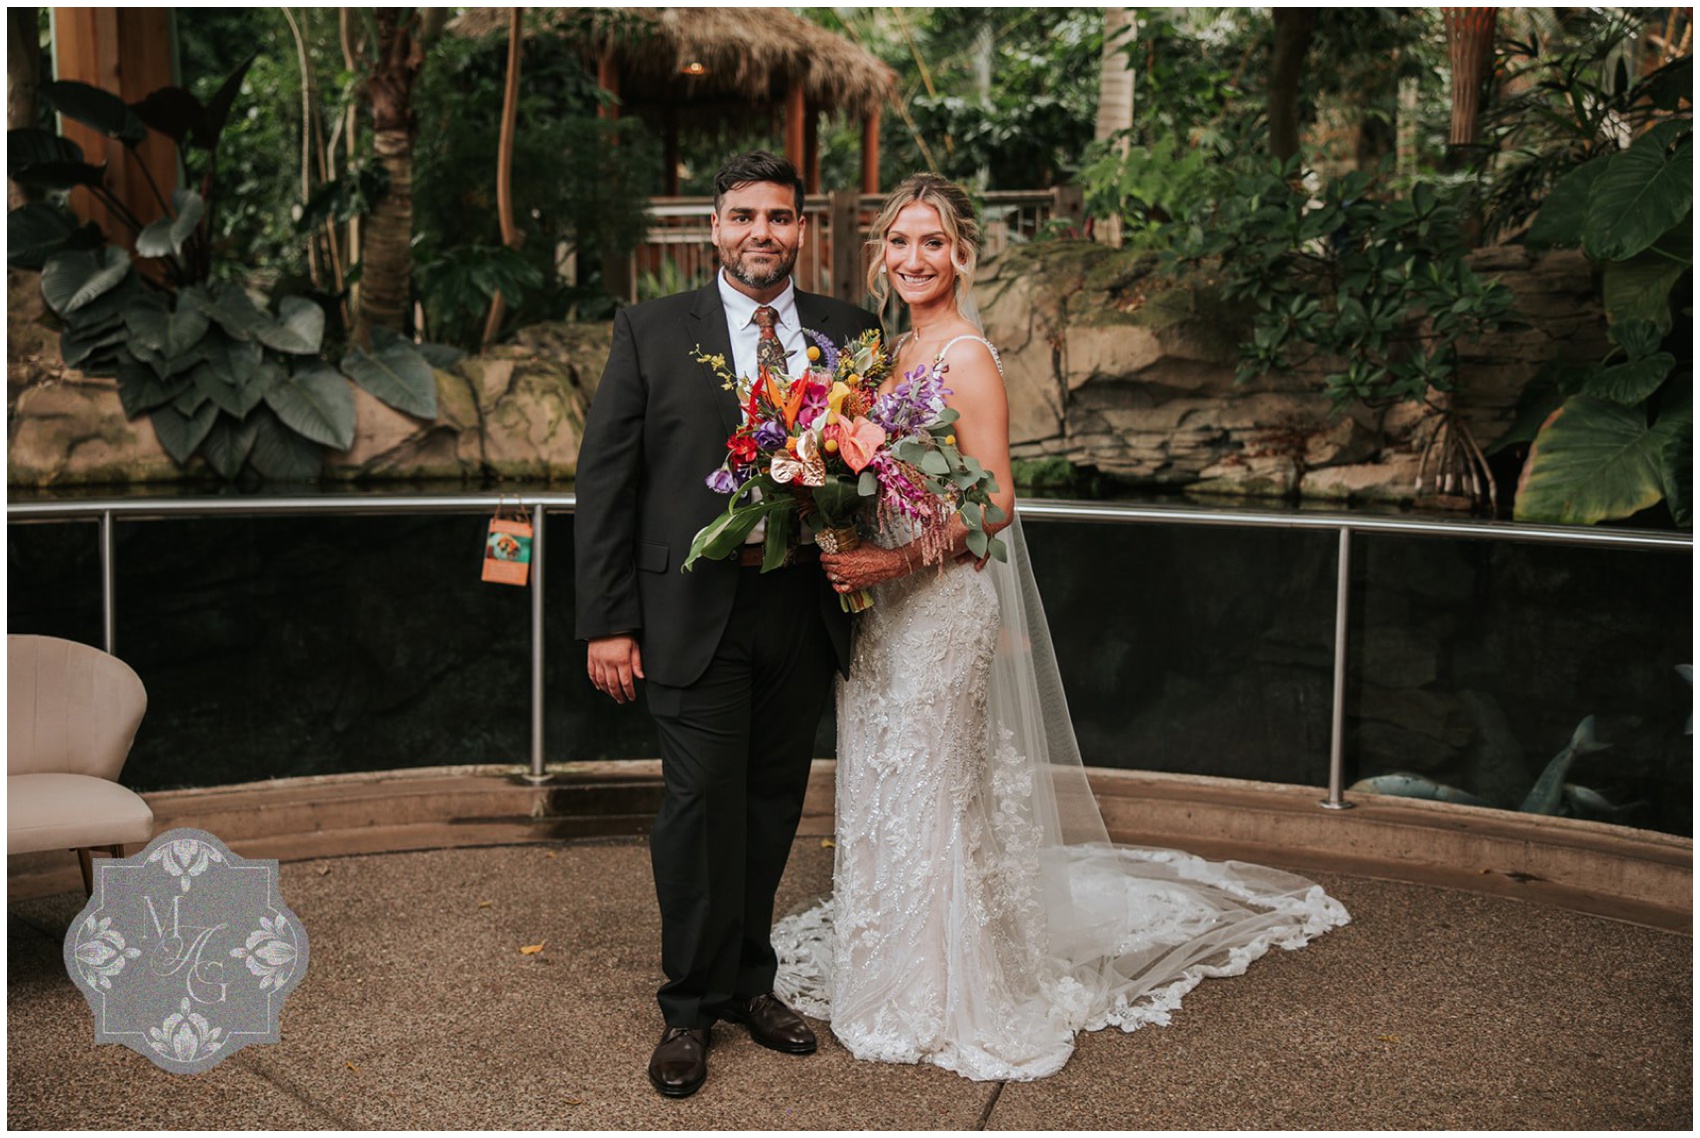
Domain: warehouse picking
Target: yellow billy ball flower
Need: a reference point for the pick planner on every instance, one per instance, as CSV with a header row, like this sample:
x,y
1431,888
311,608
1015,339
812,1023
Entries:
x,y
950,440
814,353
830,446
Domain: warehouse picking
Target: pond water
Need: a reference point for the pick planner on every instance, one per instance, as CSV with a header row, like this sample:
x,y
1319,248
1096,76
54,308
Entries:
x,y
276,646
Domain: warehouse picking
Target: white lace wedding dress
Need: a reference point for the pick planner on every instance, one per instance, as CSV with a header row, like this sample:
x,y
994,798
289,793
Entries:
x,y
979,916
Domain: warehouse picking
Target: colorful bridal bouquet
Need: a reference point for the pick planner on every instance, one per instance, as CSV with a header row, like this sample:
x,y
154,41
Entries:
x,y
828,446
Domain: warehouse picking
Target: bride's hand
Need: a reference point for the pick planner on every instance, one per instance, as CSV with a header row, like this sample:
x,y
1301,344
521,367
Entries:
x,y
862,568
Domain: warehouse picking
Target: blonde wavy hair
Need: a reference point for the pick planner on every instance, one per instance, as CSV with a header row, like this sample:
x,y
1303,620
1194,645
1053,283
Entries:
x,y
956,215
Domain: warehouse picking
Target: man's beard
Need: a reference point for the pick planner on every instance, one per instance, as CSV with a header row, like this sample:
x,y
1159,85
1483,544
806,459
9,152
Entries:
x,y
734,269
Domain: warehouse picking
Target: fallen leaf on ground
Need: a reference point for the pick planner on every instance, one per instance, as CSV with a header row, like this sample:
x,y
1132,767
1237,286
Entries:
x,y
324,869
551,853
828,844
532,949
573,1101
485,904
349,1063
1387,1039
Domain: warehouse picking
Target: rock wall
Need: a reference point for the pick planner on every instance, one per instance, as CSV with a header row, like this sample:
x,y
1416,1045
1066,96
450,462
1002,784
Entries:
x,y
515,412
1113,366
1109,364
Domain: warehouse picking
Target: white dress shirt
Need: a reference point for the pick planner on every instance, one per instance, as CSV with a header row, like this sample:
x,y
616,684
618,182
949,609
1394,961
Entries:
x,y
741,323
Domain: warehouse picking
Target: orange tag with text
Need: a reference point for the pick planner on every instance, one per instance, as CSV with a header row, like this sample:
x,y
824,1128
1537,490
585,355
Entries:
x,y
507,551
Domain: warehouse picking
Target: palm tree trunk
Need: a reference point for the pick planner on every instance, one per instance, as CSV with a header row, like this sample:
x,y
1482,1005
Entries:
x,y
1294,28
1115,101
386,293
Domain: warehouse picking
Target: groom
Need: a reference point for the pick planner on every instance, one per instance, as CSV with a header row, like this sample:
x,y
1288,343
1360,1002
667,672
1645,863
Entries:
x,y
737,664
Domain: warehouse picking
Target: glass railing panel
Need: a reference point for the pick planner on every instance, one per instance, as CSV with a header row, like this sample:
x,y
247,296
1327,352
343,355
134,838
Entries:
x,y
53,581
1472,665
1197,650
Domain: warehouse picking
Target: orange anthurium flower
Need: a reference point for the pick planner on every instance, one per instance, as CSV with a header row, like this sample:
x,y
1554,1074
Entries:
x,y
858,441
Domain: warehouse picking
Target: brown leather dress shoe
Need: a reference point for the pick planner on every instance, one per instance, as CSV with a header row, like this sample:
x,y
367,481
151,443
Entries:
x,y
772,1024
680,1062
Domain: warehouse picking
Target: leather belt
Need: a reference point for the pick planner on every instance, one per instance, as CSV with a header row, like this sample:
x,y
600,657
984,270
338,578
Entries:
x,y
750,556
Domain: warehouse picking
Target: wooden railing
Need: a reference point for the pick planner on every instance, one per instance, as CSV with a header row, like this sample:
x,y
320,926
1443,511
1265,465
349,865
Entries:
x,y
678,252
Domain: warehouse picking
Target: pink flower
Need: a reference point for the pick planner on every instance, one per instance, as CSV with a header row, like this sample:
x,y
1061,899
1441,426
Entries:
x,y
858,441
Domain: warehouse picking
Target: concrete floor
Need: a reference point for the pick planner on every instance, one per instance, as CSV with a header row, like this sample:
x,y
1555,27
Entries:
x,y
1434,1009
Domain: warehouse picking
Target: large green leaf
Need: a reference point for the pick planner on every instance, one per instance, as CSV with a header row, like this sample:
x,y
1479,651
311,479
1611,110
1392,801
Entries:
x,y
237,375
395,373
61,175
29,147
299,329
166,236
91,106
726,532
282,455
1631,383
218,108
1560,219
233,309
141,389
228,445
180,434
73,279
34,232
173,112
1645,191
316,403
76,346
109,307
1640,287
1593,460
167,333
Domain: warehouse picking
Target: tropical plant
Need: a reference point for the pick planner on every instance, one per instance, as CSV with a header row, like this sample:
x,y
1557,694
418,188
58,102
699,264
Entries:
x,y
1615,437
216,369
1376,286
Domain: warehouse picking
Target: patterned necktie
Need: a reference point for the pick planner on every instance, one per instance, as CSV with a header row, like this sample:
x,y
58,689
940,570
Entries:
x,y
770,353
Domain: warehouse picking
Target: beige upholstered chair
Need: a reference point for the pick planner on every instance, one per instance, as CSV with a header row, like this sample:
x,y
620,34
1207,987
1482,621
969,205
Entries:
x,y
71,715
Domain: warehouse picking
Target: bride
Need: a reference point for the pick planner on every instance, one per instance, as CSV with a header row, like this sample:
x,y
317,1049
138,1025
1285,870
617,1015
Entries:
x,y
980,916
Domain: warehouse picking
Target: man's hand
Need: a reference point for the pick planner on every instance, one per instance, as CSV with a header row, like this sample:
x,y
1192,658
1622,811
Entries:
x,y
613,662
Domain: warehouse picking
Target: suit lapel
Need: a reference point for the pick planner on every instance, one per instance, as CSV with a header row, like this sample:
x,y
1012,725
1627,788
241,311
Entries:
x,y
710,334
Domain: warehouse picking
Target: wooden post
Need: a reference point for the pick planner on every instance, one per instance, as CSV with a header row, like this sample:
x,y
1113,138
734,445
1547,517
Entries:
x,y
871,154
811,150
843,207
608,78
794,115
1069,202
127,52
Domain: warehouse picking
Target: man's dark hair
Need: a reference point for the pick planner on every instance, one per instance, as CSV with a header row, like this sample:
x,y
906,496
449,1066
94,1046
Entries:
x,y
758,166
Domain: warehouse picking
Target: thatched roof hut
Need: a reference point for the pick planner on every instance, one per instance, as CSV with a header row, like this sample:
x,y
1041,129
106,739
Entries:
x,y
679,65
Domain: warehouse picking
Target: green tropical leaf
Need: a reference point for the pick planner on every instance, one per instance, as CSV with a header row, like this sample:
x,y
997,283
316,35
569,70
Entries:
x,y
1593,460
173,112
30,147
1561,215
317,403
1640,287
299,329
395,373
73,279
233,309
141,389
1677,469
165,237
781,521
91,106
34,232
180,434
228,445
1631,383
236,375
726,532
1645,191
218,110
280,454
56,176
76,346
1638,338
164,332
109,307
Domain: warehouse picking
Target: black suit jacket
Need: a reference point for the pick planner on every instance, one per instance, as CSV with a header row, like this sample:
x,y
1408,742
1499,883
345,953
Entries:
x,y
656,430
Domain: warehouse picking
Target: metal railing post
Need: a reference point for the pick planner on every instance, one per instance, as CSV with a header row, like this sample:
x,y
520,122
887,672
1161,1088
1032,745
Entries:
x,y
108,590
537,644
1337,730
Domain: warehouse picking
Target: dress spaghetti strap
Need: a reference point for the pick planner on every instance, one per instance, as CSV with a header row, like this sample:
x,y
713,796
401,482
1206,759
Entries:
x,y
996,359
